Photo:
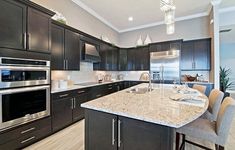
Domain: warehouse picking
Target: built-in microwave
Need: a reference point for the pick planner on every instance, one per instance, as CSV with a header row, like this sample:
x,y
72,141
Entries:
x,y
17,72
22,105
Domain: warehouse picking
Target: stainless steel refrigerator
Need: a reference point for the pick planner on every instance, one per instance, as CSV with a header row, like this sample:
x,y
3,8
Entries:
x,y
165,66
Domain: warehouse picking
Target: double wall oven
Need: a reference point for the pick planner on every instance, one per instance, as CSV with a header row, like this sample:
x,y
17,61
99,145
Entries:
x,y
24,91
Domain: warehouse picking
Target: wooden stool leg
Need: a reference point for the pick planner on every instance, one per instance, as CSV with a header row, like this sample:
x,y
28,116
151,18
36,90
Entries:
x,y
182,147
221,147
177,142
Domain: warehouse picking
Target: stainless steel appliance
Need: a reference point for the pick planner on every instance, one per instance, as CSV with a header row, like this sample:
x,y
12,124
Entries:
x,y
24,91
15,72
165,66
21,105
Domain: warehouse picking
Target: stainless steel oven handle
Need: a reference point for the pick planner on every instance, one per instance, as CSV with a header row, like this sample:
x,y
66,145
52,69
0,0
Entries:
x,y
27,140
28,89
25,68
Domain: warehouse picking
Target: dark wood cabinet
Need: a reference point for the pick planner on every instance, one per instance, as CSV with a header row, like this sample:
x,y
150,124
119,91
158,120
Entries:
x,y
39,31
109,58
131,59
122,57
62,105
101,131
111,132
23,27
65,49
142,58
165,46
25,135
196,55
72,50
12,25
57,48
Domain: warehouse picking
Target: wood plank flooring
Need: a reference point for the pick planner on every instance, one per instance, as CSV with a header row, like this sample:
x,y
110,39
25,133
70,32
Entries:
x,y
72,138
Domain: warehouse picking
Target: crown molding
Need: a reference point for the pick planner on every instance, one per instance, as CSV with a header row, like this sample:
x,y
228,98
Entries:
x,y
198,15
92,12
227,9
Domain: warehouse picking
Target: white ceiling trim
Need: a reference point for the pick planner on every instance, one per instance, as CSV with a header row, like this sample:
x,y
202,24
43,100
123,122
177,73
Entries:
x,y
225,10
95,14
162,22
92,12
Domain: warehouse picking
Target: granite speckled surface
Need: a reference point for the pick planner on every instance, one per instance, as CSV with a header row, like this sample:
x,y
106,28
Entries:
x,y
154,107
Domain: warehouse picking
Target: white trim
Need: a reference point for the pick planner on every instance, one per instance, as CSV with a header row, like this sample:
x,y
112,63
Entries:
x,y
227,9
162,22
95,14
92,12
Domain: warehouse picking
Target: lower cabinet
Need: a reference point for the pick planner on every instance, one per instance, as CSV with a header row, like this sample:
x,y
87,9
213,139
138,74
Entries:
x,y
25,135
111,132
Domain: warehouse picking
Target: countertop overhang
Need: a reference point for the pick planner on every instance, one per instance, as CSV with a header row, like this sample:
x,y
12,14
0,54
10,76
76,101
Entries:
x,y
153,107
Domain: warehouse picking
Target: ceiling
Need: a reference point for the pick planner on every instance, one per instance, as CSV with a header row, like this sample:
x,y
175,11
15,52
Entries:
x,y
227,37
146,13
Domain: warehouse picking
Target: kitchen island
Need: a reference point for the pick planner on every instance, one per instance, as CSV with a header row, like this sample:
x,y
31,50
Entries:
x,y
126,121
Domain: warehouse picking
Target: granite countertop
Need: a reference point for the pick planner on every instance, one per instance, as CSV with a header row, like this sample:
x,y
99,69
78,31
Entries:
x,y
197,82
154,107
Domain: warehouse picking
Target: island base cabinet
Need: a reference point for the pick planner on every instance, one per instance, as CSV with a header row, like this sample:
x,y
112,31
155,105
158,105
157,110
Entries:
x,y
111,132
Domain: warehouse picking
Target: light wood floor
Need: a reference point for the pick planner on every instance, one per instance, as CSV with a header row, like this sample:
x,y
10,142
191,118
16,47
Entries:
x,y
72,138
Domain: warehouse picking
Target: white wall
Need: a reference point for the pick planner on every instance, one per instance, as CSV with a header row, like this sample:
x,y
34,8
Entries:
x,y
80,19
187,30
227,18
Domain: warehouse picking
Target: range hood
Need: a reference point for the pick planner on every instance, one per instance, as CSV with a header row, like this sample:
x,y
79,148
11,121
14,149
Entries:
x,y
90,53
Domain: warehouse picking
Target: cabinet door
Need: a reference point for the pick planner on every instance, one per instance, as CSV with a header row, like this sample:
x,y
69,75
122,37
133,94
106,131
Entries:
x,y
202,55
61,113
122,60
139,135
131,54
100,130
39,31
187,53
142,58
57,48
115,52
12,25
72,50
78,111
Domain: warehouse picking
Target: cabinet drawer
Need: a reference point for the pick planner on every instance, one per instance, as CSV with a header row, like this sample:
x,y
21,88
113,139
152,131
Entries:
x,y
25,130
26,140
62,95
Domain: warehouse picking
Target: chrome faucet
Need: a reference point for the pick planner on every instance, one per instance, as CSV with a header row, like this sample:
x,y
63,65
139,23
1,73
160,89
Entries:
x,y
143,78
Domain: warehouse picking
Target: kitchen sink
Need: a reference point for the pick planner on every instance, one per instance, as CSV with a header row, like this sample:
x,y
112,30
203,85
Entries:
x,y
139,90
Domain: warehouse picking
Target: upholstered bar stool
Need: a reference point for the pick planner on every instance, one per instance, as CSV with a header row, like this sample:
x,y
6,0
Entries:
x,y
200,88
215,99
216,132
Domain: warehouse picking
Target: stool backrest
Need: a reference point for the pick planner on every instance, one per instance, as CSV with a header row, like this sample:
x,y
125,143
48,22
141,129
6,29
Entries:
x,y
215,99
200,88
225,118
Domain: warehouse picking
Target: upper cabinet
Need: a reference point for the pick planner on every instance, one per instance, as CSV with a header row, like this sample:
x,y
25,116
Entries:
x,y
165,46
196,55
109,58
12,25
65,48
39,31
23,27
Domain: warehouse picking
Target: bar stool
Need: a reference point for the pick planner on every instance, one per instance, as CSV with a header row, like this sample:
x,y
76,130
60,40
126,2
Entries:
x,y
216,132
200,88
215,99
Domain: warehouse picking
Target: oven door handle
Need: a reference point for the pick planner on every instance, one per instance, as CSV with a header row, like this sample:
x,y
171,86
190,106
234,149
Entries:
x,y
27,89
24,68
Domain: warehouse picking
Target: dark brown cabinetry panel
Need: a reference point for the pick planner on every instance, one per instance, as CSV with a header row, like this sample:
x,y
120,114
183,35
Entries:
x,y
165,46
122,57
196,55
57,48
142,58
12,25
72,50
39,31
101,130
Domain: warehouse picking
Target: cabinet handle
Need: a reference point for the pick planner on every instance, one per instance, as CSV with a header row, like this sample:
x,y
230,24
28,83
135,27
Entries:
x,y
29,40
25,41
110,85
72,100
119,133
80,92
28,130
113,134
27,140
66,64
194,65
98,95
110,88
74,103
64,95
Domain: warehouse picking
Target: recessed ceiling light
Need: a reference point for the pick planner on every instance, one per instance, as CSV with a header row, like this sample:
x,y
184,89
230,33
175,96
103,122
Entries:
x,y
130,19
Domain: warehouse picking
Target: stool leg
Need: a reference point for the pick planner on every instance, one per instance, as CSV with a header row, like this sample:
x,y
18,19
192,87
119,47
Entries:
x,y
221,147
182,147
177,142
